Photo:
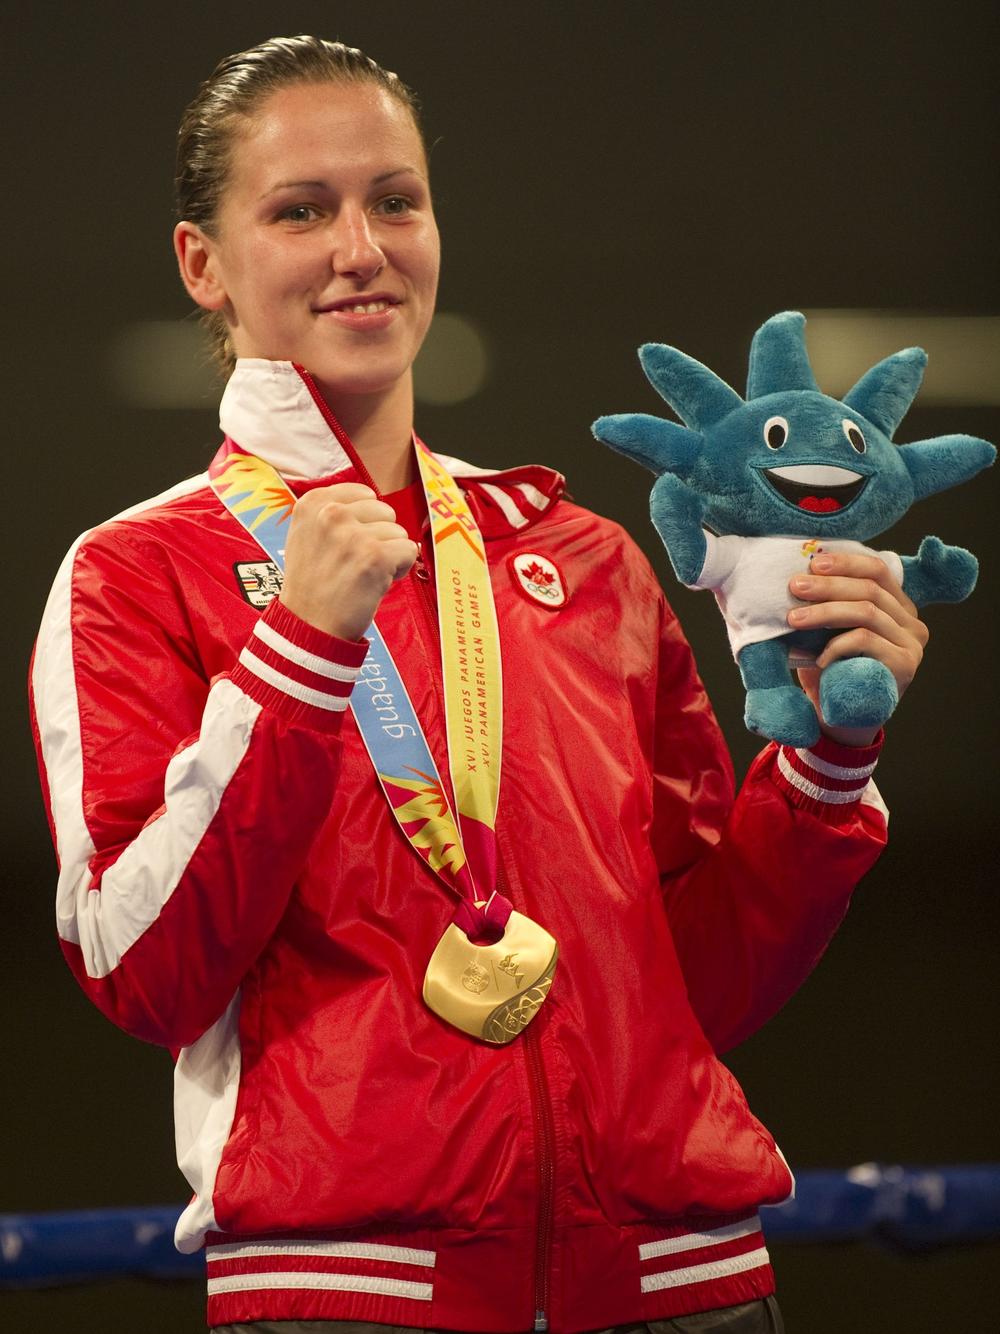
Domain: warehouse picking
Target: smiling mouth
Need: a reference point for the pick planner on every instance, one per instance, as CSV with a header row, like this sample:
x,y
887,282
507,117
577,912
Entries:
x,y
368,308
819,488
362,305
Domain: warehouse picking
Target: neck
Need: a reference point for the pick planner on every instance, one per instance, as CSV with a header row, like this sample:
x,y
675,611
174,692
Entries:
x,y
380,427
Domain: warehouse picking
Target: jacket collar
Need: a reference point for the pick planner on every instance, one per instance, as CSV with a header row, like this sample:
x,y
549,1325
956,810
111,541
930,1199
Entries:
x,y
269,410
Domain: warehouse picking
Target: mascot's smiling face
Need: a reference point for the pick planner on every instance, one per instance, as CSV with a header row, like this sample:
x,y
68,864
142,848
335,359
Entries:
x,y
787,460
800,463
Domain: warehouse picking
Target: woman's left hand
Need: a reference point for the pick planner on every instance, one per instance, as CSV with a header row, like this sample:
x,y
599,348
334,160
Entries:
x,y
857,595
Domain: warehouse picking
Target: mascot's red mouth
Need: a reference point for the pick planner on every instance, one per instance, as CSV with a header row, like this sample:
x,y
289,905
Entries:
x,y
818,488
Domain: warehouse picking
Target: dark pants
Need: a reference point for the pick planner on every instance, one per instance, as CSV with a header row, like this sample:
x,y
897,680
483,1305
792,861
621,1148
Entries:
x,y
751,1318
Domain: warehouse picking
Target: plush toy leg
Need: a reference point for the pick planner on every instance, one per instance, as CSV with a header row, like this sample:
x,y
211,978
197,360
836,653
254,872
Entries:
x,y
857,692
776,707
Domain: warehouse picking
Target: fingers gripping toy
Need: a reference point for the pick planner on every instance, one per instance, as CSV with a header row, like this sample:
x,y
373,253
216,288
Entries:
x,y
748,491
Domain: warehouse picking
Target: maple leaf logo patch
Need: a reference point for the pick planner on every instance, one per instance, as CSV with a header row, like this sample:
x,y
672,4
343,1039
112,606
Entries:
x,y
538,576
539,579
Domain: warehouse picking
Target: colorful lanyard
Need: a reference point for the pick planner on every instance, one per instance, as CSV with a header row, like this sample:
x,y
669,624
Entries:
x,y
493,967
255,494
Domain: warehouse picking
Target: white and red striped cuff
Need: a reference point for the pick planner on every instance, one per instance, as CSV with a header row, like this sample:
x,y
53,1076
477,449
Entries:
x,y
299,671
826,779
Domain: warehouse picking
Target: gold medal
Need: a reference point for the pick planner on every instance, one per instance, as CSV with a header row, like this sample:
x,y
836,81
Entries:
x,y
492,991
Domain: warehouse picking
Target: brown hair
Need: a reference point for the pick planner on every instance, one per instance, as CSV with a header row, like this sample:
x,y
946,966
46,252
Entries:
x,y
231,94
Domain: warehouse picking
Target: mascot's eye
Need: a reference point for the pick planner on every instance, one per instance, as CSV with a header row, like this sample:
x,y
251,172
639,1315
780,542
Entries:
x,y
775,432
854,436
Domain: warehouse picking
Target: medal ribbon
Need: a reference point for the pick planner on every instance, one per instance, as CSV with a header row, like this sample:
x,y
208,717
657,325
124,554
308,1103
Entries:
x,y
259,498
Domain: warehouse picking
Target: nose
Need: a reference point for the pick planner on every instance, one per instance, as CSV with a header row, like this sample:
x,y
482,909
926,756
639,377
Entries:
x,y
356,253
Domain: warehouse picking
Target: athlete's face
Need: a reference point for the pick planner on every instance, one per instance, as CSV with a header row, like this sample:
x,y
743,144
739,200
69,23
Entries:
x,y
326,250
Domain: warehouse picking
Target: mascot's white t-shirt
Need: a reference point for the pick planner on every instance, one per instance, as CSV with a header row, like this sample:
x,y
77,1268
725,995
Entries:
x,y
749,577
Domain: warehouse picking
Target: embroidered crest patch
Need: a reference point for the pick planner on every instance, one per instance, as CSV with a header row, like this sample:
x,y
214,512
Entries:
x,y
539,578
259,581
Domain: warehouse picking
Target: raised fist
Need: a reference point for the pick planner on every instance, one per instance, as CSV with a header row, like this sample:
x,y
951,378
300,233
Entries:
x,y
344,551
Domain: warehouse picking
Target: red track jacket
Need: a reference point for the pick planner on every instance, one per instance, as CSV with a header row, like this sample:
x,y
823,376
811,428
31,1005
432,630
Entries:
x,y
233,885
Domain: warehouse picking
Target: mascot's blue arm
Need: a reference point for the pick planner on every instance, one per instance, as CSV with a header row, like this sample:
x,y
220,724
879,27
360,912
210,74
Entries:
x,y
667,449
939,573
677,514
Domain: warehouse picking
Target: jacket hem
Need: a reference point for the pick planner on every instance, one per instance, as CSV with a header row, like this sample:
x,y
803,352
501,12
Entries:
x,y
464,1279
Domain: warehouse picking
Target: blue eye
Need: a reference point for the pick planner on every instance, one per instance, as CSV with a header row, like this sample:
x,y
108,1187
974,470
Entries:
x,y
854,435
775,432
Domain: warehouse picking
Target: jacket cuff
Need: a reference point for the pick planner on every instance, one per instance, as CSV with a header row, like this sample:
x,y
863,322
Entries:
x,y
299,672
826,779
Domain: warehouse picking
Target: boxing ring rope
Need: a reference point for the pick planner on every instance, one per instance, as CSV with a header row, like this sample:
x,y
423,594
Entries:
x,y
909,1209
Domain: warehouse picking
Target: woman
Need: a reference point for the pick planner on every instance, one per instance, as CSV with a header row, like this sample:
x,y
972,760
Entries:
x,y
237,880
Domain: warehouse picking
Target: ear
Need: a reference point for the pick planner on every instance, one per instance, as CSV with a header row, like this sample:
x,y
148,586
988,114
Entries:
x,y
935,465
198,264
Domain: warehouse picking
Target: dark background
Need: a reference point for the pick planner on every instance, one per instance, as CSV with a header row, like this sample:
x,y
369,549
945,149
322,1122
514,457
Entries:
x,y
605,174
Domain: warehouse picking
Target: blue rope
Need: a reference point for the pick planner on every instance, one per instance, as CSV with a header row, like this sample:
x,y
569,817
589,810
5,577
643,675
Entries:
x,y
92,1244
911,1209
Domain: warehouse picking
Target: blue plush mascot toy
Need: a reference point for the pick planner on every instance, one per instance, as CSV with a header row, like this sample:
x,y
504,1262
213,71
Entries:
x,y
748,491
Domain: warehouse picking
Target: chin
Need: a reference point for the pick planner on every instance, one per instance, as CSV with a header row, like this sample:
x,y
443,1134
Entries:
x,y
338,380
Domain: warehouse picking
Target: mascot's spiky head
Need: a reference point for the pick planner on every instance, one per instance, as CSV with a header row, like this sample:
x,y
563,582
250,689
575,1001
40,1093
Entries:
x,y
788,459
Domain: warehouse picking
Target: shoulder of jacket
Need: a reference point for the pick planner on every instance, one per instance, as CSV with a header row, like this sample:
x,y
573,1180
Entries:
x,y
510,501
507,500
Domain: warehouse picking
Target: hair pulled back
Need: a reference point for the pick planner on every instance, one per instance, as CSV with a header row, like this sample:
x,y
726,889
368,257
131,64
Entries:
x,y
229,97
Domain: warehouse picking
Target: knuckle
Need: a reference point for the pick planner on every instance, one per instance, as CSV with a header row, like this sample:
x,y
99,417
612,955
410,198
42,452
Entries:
x,y
368,558
350,490
306,504
334,515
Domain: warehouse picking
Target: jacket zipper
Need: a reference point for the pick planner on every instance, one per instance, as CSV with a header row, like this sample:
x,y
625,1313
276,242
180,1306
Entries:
x,y
341,435
544,1139
541,1112
541,1101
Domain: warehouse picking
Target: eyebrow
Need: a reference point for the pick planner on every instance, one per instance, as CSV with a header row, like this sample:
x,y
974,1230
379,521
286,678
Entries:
x,y
324,185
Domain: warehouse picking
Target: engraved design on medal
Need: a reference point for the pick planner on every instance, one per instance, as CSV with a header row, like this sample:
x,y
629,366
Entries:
x,y
475,978
492,992
509,1019
508,966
